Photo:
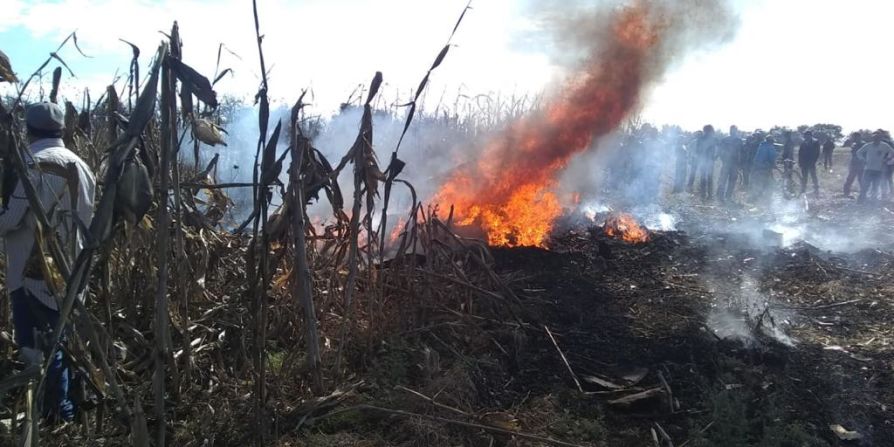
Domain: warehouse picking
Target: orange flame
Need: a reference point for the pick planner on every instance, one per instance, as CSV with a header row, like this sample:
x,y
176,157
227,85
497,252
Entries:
x,y
509,191
625,227
397,231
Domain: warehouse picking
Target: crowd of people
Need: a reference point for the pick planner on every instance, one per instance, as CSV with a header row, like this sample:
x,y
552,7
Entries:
x,y
752,166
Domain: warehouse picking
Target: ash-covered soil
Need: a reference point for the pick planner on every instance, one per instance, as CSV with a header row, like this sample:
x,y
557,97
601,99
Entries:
x,y
747,325
753,346
764,325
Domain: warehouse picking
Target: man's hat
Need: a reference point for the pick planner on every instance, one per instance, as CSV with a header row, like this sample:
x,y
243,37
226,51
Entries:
x,y
45,116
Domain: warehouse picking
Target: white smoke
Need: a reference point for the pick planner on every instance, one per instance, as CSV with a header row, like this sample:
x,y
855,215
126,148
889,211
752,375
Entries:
x,y
741,313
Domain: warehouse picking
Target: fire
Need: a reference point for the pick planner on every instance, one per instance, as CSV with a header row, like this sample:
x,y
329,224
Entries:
x,y
509,191
522,221
625,227
397,231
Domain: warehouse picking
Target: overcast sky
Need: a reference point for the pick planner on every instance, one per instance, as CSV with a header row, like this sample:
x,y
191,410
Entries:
x,y
791,62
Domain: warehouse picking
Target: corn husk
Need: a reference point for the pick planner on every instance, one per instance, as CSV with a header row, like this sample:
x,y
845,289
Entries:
x,y
208,132
6,73
135,192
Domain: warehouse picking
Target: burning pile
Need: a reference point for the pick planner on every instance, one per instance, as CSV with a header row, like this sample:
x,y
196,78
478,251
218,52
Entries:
x,y
509,191
625,227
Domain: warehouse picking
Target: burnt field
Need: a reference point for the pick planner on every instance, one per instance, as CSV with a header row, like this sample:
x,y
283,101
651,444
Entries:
x,y
692,338
742,345
519,275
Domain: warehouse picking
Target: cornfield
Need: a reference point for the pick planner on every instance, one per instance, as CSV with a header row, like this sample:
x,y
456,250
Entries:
x,y
194,335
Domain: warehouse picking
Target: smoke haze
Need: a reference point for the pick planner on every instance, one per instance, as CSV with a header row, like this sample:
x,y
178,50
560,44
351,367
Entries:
x,y
615,52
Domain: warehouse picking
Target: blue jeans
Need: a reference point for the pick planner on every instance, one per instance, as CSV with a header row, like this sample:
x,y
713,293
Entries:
x,y
28,315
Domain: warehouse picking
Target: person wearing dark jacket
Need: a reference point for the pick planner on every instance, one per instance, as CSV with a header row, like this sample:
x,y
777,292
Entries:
x,y
706,147
808,156
855,167
749,151
692,149
762,170
730,150
828,149
788,159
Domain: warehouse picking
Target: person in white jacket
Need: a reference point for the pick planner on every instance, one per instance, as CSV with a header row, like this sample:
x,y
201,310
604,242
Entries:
x,y
65,187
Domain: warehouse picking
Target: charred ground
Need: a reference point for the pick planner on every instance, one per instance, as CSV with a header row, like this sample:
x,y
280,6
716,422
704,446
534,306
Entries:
x,y
706,337
646,307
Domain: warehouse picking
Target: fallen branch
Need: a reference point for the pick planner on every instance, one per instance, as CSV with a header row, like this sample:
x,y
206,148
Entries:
x,y
664,435
432,400
565,360
667,388
634,398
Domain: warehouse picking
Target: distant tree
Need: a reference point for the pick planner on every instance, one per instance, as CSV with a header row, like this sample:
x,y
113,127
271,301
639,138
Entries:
x,y
832,130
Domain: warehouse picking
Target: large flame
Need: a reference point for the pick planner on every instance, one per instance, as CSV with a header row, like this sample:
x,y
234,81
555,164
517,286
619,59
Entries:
x,y
509,191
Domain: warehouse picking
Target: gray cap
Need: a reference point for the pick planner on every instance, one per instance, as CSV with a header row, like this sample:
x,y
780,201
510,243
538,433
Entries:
x,y
45,116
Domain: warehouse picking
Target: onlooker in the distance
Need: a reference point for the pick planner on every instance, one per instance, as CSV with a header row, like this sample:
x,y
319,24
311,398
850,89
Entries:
x,y
855,167
828,149
694,160
707,153
749,151
808,156
788,160
678,143
875,155
730,150
762,170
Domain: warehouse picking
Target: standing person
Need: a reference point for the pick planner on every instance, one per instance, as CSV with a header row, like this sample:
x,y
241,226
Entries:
x,y
855,167
808,156
762,170
676,141
749,151
828,149
875,155
888,177
65,187
694,160
707,153
730,151
788,160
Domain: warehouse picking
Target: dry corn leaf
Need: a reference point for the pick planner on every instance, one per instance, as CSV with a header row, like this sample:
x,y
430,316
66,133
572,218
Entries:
x,y
6,73
207,132
198,84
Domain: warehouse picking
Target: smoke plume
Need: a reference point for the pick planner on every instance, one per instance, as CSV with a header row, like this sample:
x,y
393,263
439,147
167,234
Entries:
x,y
615,52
